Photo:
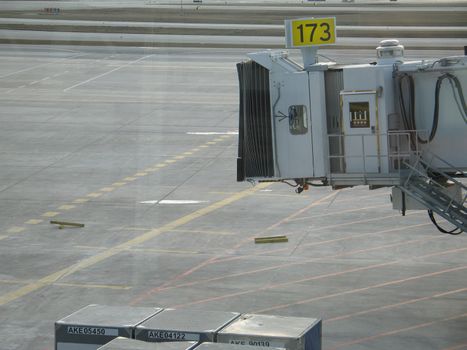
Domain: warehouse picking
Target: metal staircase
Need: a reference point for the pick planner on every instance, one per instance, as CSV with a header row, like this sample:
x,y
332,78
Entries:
x,y
436,190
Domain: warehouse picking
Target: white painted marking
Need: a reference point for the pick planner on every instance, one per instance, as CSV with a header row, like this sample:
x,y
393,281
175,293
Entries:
x,y
40,65
173,201
266,191
34,82
44,79
106,73
212,133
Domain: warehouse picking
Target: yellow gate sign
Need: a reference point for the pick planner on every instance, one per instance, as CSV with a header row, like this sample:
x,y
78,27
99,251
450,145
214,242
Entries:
x,y
310,32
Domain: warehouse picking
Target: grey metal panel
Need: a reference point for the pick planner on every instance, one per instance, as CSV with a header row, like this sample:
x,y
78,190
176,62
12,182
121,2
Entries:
x,y
292,333
132,344
226,346
99,324
183,325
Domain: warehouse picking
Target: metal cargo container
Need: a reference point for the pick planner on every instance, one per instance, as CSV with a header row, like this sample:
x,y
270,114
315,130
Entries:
x,y
292,333
95,325
131,344
184,325
226,346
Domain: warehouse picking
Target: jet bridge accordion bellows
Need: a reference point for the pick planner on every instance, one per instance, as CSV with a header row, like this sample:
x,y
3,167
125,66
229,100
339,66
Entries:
x,y
255,146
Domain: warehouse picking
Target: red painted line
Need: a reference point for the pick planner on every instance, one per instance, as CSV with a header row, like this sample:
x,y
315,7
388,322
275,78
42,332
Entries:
x,y
363,289
391,306
396,331
216,259
457,347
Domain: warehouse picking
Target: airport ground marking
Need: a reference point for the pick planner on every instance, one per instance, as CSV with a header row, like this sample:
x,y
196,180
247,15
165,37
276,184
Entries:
x,y
208,232
312,278
94,195
462,346
107,189
91,286
290,264
50,214
106,73
394,305
81,200
130,178
397,331
362,289
119,184
214,259
140,174
2,237
112,251
34,221
66,207
16,229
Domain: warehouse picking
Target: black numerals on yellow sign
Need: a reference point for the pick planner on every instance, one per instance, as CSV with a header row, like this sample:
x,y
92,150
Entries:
x,y
325,32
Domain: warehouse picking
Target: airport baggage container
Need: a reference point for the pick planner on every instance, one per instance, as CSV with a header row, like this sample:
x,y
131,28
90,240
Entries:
x,y
132,344
184,325
291,333
226,346
95,325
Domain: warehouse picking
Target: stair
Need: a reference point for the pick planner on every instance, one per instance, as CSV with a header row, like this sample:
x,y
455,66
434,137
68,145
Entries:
x,y
435,195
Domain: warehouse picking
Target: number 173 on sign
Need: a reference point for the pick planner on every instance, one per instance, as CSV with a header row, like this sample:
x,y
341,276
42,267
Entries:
x,y
311,32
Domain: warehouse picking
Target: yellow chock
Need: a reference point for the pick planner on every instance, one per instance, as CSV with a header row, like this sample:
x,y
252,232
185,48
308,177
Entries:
x,y
63,224
271,239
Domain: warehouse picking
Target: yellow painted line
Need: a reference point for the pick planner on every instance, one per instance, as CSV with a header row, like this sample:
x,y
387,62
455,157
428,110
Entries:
x,y
179,157
161,165
34,221
81,200
149,250
107,189
151,170
220,233
66,207
15,229
119,184
130,178
141,174
226,136
3,237
94,195
89,247
218,140
195,150
170,161
110,252
81,285
210,143
187,153
13,281
50,214
203,146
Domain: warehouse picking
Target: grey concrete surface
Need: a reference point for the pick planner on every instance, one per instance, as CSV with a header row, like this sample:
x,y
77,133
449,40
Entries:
x,y
89,133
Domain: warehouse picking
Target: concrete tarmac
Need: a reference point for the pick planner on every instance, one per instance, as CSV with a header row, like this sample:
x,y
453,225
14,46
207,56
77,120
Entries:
x,y
103,135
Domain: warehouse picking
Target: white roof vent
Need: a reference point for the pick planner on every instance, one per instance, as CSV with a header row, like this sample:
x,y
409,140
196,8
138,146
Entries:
x,y
389,52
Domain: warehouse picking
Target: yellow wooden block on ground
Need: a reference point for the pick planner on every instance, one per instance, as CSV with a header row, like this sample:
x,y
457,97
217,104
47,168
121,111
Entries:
x,y
271,239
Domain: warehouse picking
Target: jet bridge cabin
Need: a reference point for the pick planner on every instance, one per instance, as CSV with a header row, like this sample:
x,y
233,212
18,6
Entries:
x,y
390,123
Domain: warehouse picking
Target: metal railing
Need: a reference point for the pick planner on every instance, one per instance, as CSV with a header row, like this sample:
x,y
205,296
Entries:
x,y
400,148
422,167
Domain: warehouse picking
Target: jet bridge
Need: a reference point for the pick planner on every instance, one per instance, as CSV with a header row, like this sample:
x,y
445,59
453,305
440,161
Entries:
x,y
391,123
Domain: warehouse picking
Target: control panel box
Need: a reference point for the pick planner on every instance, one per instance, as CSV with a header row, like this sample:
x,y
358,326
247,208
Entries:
x,y
95,325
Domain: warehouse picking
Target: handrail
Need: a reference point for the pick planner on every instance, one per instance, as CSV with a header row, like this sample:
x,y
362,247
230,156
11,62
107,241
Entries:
x,y
427,165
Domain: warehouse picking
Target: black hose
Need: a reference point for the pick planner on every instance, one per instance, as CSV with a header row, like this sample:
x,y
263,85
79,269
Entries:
x,y
455,231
